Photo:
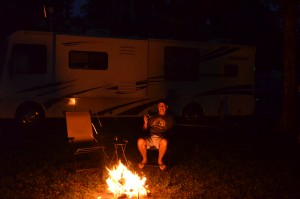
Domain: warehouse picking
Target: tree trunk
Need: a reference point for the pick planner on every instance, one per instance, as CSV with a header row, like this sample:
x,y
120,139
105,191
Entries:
x,y
288,122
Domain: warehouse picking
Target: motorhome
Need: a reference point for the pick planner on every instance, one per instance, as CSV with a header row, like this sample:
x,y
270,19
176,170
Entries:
x,y
44,74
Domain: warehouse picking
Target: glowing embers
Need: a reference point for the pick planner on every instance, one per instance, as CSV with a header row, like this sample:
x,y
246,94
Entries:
x,y
122,182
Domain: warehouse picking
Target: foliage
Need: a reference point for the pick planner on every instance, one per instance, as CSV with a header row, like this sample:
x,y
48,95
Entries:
x,y
30,15
241,21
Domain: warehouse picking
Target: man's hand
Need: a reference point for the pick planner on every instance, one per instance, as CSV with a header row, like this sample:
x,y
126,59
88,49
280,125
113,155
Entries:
x,y
146,119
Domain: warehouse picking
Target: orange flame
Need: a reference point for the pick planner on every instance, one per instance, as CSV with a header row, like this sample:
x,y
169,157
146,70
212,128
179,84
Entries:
x,y
122,181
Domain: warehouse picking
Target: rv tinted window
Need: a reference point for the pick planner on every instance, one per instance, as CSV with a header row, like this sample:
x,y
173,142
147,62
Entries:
x,y
88,60
230,70
181,64
28,58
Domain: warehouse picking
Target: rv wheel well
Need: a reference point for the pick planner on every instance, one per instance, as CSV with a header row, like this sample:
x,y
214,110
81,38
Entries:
x,y
192,112
29,114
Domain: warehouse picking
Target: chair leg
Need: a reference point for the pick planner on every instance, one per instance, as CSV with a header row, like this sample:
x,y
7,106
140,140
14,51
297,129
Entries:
x,y
75,163
106,156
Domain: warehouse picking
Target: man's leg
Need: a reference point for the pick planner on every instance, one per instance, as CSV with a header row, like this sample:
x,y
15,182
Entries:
x,y
142,146
161,151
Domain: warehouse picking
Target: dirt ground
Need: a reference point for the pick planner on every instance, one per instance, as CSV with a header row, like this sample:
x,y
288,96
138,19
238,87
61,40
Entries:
x,y
241,150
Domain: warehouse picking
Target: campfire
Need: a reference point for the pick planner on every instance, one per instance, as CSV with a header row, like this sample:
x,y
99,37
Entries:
x,y
123,183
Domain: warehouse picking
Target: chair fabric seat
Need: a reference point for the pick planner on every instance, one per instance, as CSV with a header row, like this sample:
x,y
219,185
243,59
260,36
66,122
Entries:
x,y
81,136
152,155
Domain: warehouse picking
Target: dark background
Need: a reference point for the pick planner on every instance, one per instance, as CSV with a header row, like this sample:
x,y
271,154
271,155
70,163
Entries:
x,y
257,23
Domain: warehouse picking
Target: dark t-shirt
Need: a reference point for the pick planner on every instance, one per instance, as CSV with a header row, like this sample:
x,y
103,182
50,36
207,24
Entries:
x,y
160,125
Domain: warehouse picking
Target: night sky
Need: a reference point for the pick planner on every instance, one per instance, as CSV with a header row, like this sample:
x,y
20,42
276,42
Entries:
x,y
77,5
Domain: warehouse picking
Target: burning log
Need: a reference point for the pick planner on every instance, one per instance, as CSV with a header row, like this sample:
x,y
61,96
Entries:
x,y
125,184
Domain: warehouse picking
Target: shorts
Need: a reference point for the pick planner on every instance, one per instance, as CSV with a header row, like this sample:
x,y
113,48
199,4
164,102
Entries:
x,y
153,141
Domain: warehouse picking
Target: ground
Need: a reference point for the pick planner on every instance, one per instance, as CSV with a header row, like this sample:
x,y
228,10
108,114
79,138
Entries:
x,y
206,162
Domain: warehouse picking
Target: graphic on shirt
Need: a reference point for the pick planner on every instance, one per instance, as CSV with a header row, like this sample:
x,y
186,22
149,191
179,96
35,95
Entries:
x,y
159,123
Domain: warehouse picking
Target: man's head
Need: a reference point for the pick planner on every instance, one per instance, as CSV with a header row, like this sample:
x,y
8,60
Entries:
x,y
162,107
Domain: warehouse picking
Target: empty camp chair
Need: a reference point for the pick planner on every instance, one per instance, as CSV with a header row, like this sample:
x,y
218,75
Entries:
x,y
81,137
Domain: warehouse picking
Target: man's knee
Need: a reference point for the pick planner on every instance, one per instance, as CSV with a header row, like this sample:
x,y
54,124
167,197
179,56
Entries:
x,y
141,141
163,143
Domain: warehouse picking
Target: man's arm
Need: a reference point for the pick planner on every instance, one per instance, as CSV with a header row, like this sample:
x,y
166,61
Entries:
x,y
146,119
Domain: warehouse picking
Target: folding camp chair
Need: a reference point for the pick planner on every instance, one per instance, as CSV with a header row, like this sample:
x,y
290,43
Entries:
x,y
81,137
152,155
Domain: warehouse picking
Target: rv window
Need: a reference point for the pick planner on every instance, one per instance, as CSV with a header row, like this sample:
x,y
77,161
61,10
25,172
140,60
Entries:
x,y
181,64
230,70
29,59
88,60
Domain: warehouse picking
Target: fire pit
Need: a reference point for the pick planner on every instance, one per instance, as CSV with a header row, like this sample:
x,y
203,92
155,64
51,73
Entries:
x,y
125,184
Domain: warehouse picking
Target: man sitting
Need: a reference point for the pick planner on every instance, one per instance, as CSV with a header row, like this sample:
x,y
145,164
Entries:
x,y
158,127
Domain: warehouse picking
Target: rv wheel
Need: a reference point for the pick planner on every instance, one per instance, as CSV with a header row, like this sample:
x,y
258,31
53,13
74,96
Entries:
x,y
29,115
192,113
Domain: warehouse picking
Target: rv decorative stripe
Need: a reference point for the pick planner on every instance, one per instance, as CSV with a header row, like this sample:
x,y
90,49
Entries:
x,y
51,102
83,91
156,79
241,90
109,110
136,110
218,53
52,91
113,88
44,86
142,82
73,43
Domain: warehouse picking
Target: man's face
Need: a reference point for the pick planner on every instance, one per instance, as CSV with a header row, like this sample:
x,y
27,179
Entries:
x,y
162,108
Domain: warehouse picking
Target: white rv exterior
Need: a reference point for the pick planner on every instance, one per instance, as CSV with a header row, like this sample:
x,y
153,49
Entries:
x,y
44,74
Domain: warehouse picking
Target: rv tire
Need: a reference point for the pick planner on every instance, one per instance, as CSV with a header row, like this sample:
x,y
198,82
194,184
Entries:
x,y
192,113
29,115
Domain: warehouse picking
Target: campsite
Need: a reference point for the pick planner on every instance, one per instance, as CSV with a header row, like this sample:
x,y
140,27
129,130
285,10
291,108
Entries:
x,y
206,162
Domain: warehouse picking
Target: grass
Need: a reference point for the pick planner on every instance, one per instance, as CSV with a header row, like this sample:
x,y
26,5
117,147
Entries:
x,y
205,165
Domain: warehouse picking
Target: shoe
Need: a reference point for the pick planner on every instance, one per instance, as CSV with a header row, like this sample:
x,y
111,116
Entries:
x,y
162,167
141,165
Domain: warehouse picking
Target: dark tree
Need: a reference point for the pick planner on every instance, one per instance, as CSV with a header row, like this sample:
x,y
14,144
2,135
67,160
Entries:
x,y
58,15
288,121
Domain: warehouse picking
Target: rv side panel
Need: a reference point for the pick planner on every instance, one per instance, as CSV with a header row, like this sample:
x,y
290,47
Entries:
x,y
104,75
